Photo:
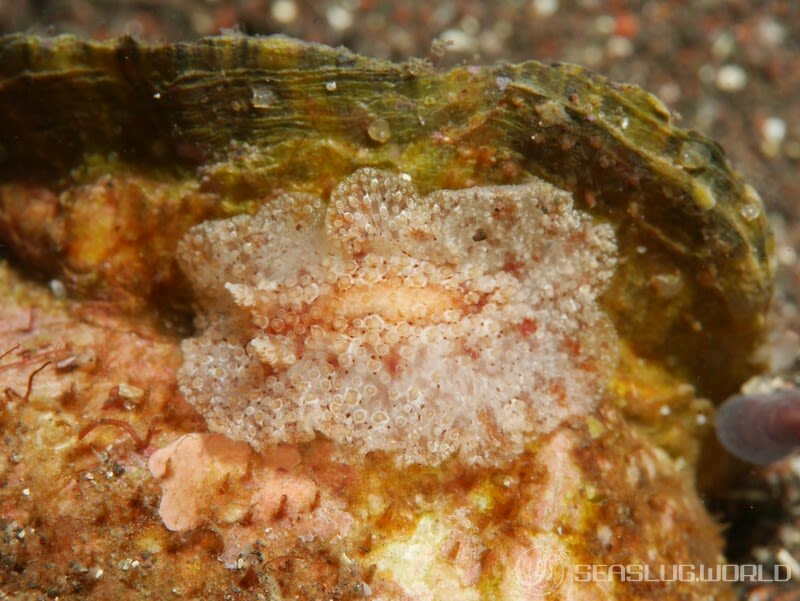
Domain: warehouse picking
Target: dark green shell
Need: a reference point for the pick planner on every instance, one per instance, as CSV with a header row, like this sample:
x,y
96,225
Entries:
x,y
247,116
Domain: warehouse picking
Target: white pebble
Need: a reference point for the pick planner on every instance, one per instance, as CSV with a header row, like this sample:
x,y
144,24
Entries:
x,y
284,11
605,24
723,45
770,32
458,41
58,289
774,130
619,47
731,78
339,17
545,8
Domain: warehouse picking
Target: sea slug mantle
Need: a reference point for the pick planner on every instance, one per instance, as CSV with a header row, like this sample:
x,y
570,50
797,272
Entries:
x,y
463,322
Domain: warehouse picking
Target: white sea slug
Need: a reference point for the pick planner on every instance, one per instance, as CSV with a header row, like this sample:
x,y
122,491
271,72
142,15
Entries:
x,y
465,322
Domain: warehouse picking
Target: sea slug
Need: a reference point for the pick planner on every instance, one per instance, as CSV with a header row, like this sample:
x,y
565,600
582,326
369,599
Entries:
x,y
464,322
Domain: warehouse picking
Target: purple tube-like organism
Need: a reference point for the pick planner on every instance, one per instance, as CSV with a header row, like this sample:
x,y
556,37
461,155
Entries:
x,y
760,428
